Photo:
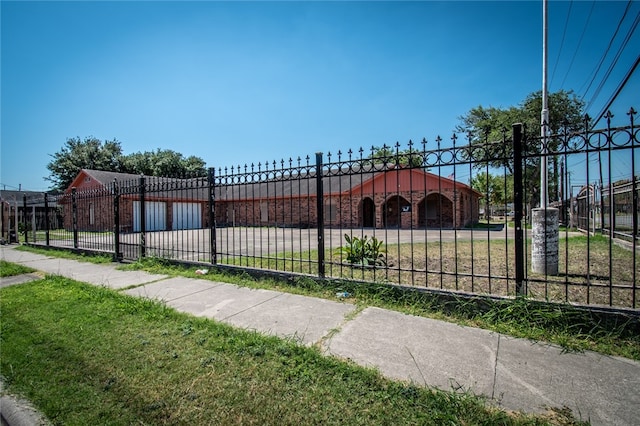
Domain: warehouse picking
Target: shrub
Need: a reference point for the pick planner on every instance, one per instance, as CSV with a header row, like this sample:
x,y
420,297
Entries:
x,y
363,251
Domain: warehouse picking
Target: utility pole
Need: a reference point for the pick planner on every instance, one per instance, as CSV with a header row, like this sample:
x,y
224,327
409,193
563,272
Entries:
x,y
544,119
544,221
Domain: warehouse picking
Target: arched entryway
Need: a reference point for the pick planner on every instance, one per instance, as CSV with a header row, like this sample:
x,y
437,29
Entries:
x,y
392,211
435,211
367,213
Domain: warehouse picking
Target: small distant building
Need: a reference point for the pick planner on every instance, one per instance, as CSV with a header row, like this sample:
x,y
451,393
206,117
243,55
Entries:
x,y
12,211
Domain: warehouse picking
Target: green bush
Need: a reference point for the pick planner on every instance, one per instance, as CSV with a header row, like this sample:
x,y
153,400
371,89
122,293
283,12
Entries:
x,y
363,251
24,227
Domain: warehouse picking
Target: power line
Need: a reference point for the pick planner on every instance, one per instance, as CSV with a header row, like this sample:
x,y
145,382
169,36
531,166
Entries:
x,y
564,33
618,90
606,52
615,60
575,52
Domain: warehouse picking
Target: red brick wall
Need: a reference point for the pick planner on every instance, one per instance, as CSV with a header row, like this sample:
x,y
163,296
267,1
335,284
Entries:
x,y
343,210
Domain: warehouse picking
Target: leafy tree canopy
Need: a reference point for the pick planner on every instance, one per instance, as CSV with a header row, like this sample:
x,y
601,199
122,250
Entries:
x,y
486,125
497,189
77,154
486,128
163,163
91,153
391,155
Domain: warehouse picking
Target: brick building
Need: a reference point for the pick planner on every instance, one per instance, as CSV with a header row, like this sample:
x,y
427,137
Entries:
x,y
392,198
170,203
402,197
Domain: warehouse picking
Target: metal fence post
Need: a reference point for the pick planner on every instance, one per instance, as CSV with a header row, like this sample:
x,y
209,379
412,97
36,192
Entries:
x,y
25,223
74,217
518,189
46,219
143,220
320,214
212,216
33,222
2,227
117,256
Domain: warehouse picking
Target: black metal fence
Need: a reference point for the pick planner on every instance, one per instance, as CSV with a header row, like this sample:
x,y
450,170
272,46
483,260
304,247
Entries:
x,y
418,215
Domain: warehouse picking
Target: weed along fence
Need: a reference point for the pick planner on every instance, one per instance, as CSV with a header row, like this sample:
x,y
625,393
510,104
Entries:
x,y
442,215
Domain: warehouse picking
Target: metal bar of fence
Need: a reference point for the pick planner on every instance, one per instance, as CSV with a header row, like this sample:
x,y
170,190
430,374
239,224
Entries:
x,y
456,200
46,218
213,255
423,216
565,191
589,203
320,215
142,217
328,206
283,194
411,213
117,255
25,221
634,209
611,204
74,216
438,140
518,208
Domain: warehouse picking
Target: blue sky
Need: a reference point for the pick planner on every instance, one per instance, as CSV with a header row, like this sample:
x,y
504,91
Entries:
x,y
249,82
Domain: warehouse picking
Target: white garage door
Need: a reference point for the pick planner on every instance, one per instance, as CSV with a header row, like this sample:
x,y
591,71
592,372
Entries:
x,y
187,216
155,216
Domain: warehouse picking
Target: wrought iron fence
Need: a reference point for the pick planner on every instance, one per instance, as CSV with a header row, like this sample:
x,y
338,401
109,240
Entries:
x,y
418,215
597,266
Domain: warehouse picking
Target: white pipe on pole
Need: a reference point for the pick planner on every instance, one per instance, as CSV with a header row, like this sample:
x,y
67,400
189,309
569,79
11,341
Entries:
x,y
544,220
544,120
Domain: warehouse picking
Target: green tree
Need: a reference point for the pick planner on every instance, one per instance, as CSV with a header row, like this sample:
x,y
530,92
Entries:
x,y
91,153
77,154
487,126
392,155
497,189
163,162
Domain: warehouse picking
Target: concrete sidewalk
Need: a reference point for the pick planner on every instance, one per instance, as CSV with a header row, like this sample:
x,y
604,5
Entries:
x,y
515,374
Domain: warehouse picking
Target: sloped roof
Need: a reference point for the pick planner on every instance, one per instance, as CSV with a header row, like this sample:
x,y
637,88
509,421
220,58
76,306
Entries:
x,y
240,187
33,197
336,182
159,187
106,178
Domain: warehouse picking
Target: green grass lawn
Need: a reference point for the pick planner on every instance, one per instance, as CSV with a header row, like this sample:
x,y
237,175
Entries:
x,y
89,355
561,324
591,270
10,269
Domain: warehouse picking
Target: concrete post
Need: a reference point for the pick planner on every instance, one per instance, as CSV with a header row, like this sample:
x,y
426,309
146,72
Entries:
x,y
544,247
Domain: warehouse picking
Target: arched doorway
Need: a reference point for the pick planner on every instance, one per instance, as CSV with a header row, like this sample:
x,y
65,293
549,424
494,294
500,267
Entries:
x,y
392,211
435,211
367,213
